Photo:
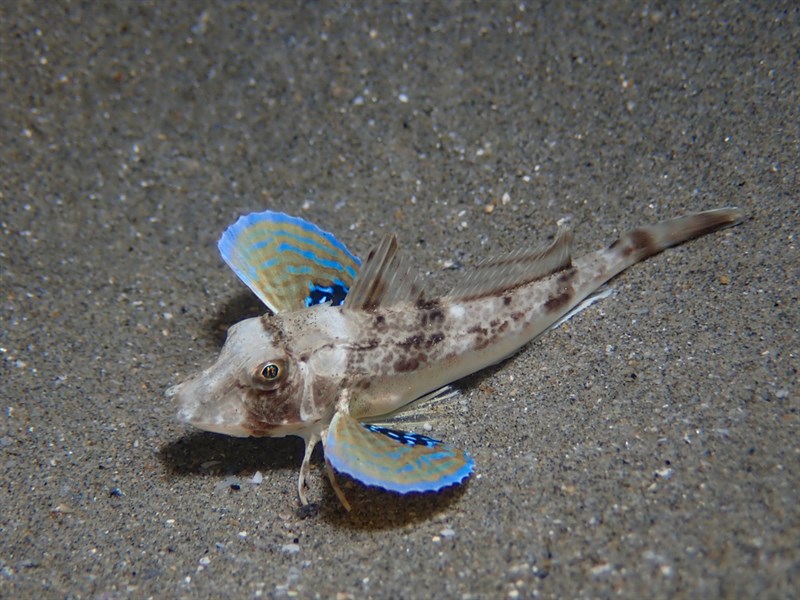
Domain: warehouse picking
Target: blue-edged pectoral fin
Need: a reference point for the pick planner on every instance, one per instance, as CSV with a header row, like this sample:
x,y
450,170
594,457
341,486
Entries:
x,y
288,262
393,460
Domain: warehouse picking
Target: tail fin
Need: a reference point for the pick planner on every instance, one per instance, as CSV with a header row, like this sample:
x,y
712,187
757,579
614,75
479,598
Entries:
x,y
644,242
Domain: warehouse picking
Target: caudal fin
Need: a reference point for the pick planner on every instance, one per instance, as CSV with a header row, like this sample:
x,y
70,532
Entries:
x,y
642,242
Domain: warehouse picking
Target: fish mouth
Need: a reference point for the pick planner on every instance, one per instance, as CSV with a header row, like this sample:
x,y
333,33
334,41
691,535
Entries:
x,y
208,409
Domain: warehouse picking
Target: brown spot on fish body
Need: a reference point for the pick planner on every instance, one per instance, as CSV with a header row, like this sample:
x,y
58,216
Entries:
x,y
555,303
410,364
380,324
363,384
414,341
517,316
404,365
430,317
506,300
567,276
420,341
477,329
434,339
482,342
428,304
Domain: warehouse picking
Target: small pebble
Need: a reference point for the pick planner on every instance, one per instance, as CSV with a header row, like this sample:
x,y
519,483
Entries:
x,y
290,548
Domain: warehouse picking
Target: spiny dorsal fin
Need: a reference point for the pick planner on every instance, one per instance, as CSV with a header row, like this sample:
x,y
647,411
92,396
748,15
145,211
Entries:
x,y
516,268
385,278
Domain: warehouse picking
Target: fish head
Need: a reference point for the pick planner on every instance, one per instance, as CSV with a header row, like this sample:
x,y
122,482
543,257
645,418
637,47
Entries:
x,y
255,388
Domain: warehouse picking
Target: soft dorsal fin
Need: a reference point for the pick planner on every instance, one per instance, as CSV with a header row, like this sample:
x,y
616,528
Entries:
x,y
516,268
384,279
393,460
288,262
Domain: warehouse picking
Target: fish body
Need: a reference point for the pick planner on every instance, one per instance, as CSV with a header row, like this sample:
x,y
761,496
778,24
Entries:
x,y
320,369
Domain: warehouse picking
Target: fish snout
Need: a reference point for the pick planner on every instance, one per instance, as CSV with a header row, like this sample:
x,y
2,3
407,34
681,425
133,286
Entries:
x,y
202,404
182,398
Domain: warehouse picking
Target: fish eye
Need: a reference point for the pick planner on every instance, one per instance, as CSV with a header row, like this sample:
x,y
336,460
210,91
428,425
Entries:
x,y
269,372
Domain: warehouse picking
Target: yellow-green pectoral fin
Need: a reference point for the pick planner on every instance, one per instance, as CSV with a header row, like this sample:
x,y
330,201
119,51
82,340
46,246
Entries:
x,y
397,461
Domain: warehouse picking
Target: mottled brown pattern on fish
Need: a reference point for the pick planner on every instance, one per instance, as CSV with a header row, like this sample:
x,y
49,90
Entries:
x,y
478,330
427,337
485,337
421,341
414,341
405,344
500,327
404,365
483,341
432,316
434,338
268,409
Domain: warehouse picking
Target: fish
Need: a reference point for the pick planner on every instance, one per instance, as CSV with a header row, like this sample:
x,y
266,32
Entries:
x,y
346,343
